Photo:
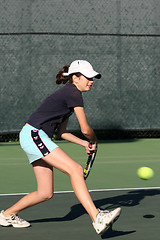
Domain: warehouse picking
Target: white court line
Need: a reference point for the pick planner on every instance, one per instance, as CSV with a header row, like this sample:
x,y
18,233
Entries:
x,y
94,190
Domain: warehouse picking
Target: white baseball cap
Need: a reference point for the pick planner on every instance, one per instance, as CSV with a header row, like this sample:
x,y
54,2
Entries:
x,y
83,67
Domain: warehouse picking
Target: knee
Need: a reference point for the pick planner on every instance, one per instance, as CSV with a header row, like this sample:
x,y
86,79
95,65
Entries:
x,y
77,169
49,196
44,196
80,169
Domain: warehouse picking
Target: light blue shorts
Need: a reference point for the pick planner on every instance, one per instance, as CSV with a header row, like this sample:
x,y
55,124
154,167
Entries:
x,y
36,143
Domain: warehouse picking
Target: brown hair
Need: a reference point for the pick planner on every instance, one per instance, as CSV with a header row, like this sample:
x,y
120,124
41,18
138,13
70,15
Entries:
x,y
64,79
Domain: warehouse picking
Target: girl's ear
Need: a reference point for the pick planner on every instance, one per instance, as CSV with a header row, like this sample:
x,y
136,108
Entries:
x,y
75,79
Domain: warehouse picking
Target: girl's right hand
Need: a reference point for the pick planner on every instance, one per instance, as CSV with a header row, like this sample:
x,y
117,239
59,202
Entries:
x,y
92,146
89,147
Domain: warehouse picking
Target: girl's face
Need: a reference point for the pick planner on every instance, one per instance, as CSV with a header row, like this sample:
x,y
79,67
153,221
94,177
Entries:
x,y
82,83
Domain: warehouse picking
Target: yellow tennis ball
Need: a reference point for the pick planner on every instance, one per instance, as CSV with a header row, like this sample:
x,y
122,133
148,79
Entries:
x,y
145,173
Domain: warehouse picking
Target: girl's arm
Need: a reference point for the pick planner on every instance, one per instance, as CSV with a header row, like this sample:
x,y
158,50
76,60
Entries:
x,y
62,132
85,128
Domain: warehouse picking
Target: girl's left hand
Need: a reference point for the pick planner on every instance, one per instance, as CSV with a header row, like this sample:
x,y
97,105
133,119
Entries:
x,y
87,148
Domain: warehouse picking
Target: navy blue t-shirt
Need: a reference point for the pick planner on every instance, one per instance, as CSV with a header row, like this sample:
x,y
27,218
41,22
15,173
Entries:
x,y
56,109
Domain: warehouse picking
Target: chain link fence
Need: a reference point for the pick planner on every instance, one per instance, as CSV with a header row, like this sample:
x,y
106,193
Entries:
x,y
120,38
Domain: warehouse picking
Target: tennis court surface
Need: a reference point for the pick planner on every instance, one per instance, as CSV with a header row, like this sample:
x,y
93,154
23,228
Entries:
x,y
113,182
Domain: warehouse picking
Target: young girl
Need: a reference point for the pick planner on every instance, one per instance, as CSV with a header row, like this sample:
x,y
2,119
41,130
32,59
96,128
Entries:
x,y
35,139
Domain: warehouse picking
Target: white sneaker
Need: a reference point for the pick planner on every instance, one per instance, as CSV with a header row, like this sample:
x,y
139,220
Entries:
x,y
13,220
105,219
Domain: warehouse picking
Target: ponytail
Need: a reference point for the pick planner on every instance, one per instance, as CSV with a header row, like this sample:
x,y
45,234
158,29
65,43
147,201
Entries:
x,y
63,79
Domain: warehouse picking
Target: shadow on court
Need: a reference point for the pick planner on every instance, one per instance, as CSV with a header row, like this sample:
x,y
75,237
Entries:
x,y
113,233
140,214
130,199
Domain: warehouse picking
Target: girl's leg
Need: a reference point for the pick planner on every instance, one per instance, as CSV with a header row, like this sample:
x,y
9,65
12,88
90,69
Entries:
x,y
60,160
44,177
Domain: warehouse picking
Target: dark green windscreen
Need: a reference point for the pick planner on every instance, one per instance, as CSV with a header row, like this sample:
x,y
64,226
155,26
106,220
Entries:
x,y
120,38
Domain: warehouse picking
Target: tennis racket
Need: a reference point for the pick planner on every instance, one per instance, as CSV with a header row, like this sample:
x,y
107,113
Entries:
x,y
89,163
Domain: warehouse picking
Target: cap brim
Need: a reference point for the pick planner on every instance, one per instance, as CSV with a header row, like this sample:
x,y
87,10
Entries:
x,y
92,75
98,76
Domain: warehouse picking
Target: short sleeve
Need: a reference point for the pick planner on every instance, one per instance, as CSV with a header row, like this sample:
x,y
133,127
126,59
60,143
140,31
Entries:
x,y
75,99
